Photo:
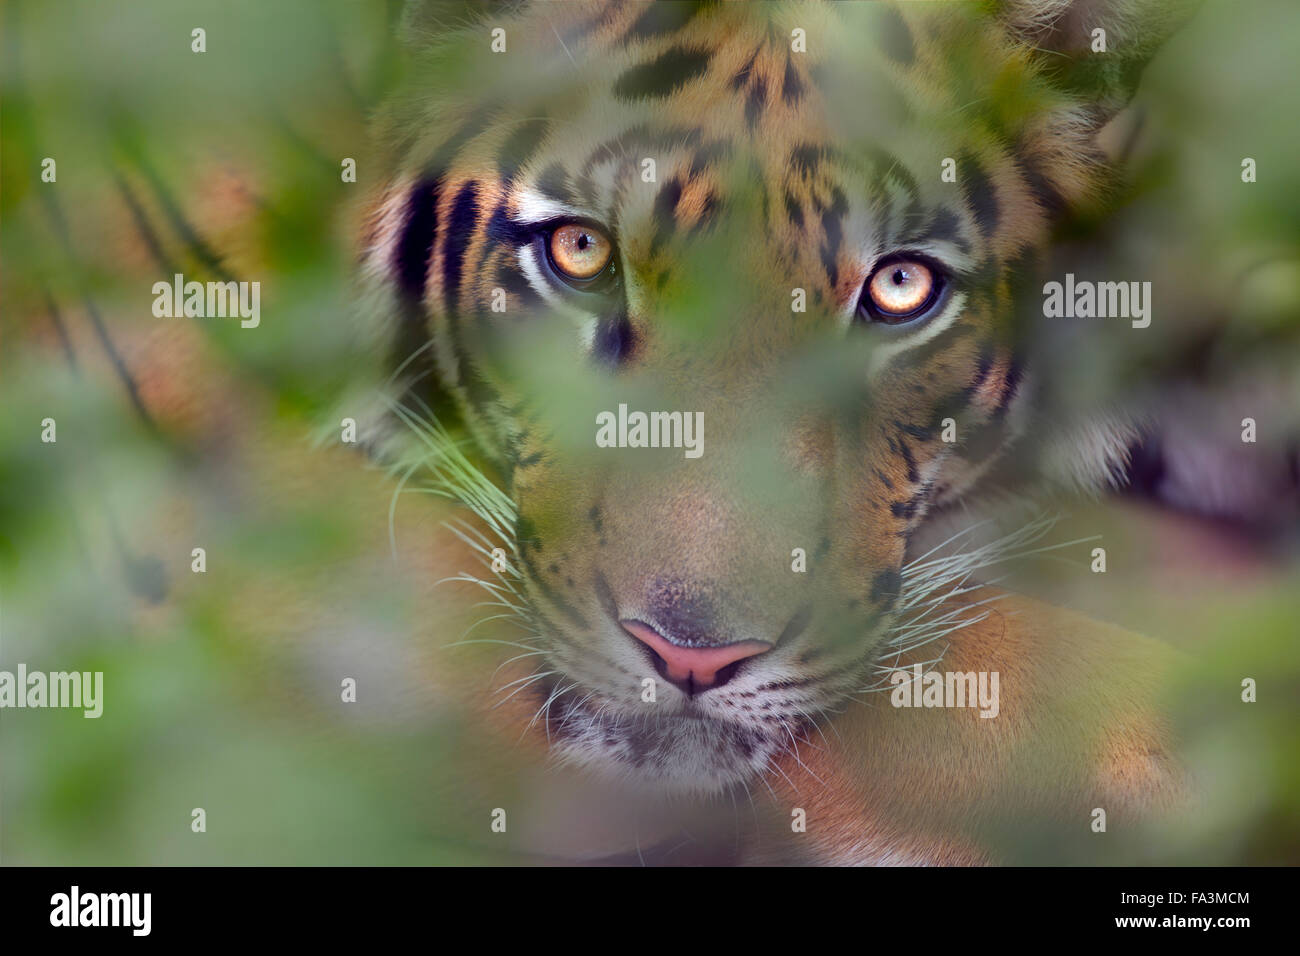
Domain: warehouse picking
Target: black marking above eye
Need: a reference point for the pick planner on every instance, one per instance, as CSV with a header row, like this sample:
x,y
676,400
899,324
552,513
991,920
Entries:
x,y
661,19
754,104
946,226
554,182
896,38
1046,194
889,168
832,225
806,158
742,75
793,211
980,193
791,85
661,76
665,214
520,146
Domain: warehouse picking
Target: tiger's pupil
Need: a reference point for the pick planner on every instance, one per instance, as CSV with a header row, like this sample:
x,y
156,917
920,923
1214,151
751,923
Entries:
x,y
579,252
898,291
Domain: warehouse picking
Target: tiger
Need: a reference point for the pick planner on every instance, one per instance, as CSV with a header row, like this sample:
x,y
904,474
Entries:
x,y
801,244
812,224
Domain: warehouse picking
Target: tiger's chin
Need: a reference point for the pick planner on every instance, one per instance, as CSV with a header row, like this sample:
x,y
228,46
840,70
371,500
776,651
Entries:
x,y
677,753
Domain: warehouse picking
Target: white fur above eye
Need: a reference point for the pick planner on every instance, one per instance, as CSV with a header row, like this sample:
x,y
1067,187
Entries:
x,y
532,207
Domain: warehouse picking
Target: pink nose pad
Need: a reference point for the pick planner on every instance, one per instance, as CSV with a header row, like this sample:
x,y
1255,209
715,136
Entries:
x,y
698,664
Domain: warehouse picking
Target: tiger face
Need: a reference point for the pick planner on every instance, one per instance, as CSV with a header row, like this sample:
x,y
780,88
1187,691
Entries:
x,y
798,229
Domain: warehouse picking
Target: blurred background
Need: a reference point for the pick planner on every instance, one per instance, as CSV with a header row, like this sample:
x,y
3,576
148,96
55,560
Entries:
x,y
222,689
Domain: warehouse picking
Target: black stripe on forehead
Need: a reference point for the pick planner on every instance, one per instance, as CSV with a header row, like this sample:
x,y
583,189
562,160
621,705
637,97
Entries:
x,y
806,158
476,124
793,211
520,146
665,209
554,183
742,75
895,39
979,192
663,75
641,141
913,221
886,177
945,226
755,102
707,155
641,138
606,14
832,225
791,85
1044,191
661,19
887,167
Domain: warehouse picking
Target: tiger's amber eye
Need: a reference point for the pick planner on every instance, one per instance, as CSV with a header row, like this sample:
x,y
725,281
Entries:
x,y
580,252
900,288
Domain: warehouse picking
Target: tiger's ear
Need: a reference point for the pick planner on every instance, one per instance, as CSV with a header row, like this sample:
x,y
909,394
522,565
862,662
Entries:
x,y
1094,50
1092,53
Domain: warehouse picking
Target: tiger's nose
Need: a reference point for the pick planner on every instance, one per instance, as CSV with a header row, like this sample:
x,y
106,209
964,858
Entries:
x,y
694,669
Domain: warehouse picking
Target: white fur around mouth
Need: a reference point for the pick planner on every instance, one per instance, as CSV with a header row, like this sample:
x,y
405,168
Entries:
x,y
678,752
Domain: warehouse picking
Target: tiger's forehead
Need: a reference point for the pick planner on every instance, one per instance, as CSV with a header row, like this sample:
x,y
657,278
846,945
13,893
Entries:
x,y
803,140
723,86
816,103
